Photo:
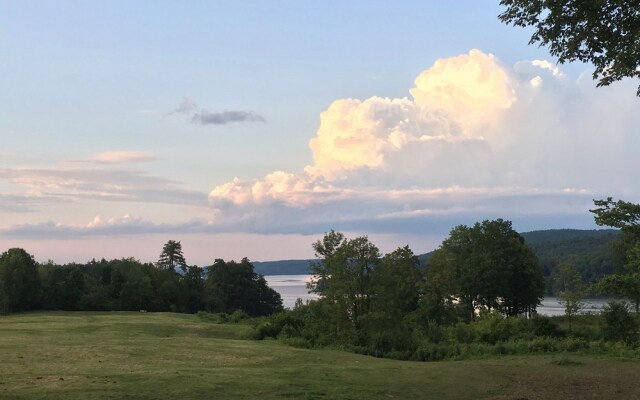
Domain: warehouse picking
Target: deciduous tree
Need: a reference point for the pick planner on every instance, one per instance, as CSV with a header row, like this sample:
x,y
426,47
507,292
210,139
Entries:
x,y
343,278
19,281
625,216
232,286
395,291
570,290
491,268
605,33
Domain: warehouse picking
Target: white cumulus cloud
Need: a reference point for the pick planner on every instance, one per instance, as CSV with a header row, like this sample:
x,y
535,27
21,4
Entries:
x,y
472,88
473,138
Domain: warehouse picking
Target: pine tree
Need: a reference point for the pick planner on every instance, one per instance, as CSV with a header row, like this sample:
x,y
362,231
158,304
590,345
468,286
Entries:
x,y
172,257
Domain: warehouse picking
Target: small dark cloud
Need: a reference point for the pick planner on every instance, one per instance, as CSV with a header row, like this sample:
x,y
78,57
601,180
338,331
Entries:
x,y
206,118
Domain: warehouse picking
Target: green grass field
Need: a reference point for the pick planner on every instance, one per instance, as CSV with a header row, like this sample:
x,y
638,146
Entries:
x,y
176,356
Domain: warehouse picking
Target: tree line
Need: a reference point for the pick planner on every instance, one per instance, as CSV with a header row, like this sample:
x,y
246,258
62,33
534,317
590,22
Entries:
x,y
129,285
382,302
477,295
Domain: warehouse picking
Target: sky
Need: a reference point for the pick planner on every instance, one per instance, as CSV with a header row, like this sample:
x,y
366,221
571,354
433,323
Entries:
x,y
251,128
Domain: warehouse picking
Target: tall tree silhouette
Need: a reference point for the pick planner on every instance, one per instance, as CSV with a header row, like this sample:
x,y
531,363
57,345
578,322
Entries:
x,y
172,257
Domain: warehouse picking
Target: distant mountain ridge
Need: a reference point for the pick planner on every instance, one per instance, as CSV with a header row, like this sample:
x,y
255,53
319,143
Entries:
x,y
555,235
591,250
283,267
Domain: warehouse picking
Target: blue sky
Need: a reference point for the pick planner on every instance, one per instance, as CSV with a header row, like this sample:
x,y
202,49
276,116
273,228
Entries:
x,y
249,128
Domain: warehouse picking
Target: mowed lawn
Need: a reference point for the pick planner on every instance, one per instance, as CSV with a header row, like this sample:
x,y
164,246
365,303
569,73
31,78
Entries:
x,y
175,356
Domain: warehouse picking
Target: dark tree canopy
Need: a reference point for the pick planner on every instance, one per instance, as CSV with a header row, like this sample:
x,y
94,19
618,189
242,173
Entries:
x,y
365,298
488,266
19,281
605,33
234,286
62,286
343,278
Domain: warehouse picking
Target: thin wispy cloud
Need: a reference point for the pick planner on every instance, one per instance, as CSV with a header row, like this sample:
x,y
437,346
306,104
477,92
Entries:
x,y
118,157
25,203
186,106
102,226
226,117
431,213
98,184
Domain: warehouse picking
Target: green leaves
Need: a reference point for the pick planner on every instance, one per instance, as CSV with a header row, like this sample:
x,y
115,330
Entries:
x,y
19,281
626,216
491,268
234,286
605,33
617,214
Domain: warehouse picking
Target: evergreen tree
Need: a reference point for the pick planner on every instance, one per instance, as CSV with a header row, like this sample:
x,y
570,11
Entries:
x,y
172,257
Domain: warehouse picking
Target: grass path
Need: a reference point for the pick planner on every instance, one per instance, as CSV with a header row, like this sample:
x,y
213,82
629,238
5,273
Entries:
x,y
176,356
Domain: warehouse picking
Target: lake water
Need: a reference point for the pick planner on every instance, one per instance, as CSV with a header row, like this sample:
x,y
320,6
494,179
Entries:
x,y
551,306
292,287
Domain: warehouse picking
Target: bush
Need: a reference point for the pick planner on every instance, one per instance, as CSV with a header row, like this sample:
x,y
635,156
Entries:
x,y
238,316
266,329
223,318
462,333
573,344
432,352
618,324
493,328
434,332
545,327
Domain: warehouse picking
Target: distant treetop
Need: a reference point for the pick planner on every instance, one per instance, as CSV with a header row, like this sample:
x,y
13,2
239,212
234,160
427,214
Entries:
x,y
172,257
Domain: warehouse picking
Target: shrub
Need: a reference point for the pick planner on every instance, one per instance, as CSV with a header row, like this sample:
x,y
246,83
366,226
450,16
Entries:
x,y
266,329
545,327
462,333
434,332
618,324
573,344
238,316
542,345
432,352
